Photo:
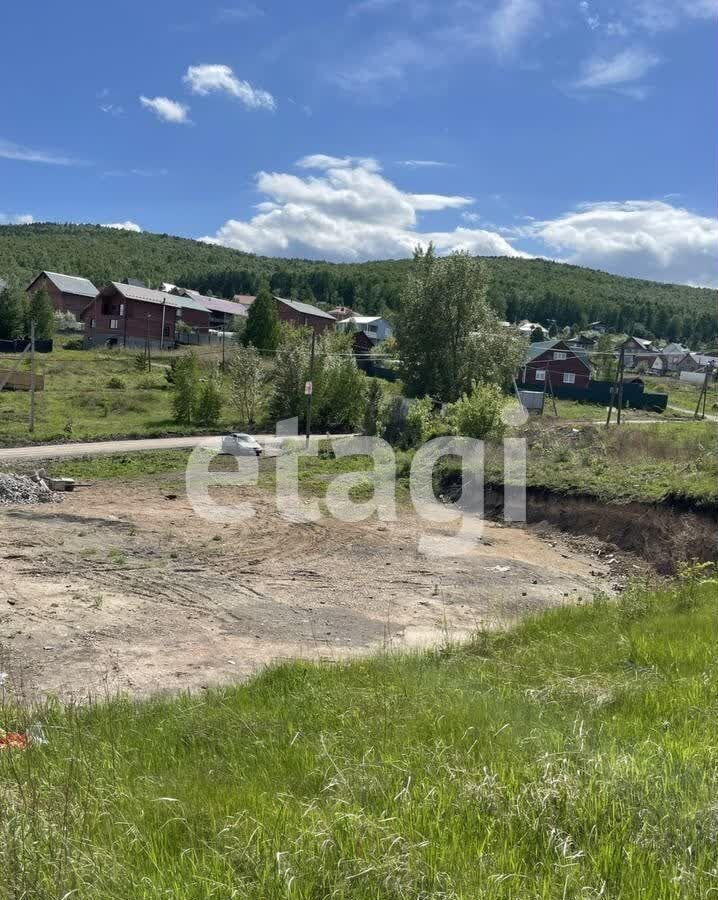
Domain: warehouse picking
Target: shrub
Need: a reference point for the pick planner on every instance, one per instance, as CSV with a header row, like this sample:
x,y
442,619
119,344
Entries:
x,y
116,384
76,344
478,414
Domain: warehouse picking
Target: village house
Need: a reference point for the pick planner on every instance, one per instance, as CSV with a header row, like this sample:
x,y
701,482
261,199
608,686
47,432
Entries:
x,y
69,293
127,315
374,327
304,315
582,342
599,327
554,363
221,312
636,350
341,312
527,328
672,354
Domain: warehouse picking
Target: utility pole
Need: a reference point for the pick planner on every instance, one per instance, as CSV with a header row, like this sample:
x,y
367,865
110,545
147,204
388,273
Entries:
x,y
621,365
615,390
147,344
550,388
224,328
31,423
162,332
702,397
309,387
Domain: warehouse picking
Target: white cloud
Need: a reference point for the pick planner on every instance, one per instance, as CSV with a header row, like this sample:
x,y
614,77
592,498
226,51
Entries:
x,y
140,173
206,78
9,150
644,238
112,109
348,212
122,226
166,109
623,68
510,22
423,163
661,15
237,14
10,219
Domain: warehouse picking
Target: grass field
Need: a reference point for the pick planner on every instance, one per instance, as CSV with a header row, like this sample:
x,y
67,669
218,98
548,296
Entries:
x,y
573,757
79,401
634,462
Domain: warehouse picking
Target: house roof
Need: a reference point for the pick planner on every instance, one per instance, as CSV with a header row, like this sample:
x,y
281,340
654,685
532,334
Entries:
x,y
69,284
306,309
539,347
674,348
147,295
363,320
217,304
244,299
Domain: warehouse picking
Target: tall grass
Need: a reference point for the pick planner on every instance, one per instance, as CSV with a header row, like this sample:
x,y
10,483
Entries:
x,y
573,757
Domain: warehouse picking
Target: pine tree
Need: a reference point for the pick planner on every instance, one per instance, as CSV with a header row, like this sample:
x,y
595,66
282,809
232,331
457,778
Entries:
x,y
41,312
262,329
12,313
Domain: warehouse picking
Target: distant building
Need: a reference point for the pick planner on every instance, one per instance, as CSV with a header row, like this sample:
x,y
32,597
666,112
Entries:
x,y
636,350
600,327
582,341
374,327
341,312
221,312
672,354
69,293
554,363
527,328
304,315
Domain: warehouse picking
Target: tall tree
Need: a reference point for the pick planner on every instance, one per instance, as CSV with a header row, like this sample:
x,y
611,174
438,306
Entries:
x,y
246,377
41,312
445,318
12,313
262,329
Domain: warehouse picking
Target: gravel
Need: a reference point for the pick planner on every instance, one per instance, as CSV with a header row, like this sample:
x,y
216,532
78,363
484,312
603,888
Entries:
x,y
25,489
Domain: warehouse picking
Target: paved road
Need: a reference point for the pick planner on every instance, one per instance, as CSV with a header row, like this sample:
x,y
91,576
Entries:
x,y
99,448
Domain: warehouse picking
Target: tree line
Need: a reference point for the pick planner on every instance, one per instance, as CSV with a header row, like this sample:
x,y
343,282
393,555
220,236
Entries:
x,y
517,288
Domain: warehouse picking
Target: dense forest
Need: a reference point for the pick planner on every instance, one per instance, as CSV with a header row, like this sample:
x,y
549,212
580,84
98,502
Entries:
x,y
519,288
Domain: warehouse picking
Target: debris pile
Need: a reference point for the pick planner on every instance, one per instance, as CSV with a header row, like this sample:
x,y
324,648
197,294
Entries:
x,y
25,489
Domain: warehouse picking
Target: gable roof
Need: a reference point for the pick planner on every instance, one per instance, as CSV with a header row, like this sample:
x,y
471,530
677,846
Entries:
x,y
216,304
674,348
362,320
69,284
147,295
306,309
538,348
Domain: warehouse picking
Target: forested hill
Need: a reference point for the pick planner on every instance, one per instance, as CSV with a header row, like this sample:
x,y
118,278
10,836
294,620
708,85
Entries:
x,y
519,288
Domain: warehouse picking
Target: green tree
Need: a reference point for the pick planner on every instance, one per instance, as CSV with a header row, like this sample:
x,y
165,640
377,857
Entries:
x,y
605,362
246,377
12,313
41,312
537,335
444,319
185,377
371,410
209,398
262,328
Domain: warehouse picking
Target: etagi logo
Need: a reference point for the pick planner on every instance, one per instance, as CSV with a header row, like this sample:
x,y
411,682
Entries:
x,y
445,528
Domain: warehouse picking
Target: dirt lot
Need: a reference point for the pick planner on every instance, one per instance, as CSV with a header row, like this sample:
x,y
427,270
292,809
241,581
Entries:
x,y
121,589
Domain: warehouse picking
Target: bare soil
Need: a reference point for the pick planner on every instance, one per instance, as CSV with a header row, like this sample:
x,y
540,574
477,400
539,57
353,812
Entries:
x,y
120,589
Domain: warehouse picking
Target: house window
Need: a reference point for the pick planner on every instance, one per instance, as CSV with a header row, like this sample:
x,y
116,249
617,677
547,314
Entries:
x,y
114,323
559,354
166,331
569,378
122,309
540,374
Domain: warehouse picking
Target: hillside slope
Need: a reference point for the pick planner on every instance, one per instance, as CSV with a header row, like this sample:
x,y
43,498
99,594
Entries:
x,y
535,288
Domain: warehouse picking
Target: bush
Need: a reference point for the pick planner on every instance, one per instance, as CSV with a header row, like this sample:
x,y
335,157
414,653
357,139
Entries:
x,y
77,344
478,414
116,384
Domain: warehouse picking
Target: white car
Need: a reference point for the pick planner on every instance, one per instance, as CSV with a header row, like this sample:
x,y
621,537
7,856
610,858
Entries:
x,y
239,444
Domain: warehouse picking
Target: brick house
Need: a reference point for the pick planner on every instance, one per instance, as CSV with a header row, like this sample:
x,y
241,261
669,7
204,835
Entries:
x,y
304,315
557,363
69,293
127,315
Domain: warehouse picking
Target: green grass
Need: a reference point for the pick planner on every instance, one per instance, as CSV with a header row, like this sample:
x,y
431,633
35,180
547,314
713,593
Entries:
x,y
683,395
573,757
647,463
79,403
573,411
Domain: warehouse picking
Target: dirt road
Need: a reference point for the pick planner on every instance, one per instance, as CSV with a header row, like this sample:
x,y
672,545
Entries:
x,y
99,448
123,588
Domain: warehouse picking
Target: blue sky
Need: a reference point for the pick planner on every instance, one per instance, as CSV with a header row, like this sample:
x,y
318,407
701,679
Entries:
x,y
581,131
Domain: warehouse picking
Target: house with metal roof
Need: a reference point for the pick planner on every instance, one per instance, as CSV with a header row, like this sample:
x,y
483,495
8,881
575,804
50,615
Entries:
x,y
374,327
304,315
129,315
221,312
554,363
69,293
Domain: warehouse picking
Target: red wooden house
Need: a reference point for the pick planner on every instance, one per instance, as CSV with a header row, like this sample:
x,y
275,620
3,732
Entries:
x,y
69,293
127,315
557,363
304,315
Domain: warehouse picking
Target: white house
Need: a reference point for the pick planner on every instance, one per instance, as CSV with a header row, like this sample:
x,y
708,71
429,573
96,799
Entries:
x,y
374,327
